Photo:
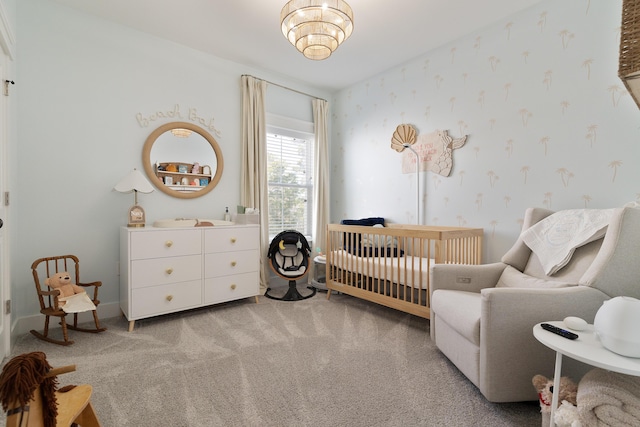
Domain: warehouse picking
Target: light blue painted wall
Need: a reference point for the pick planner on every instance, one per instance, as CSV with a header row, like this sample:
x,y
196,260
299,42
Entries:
x,y
82,81
87,89
537,92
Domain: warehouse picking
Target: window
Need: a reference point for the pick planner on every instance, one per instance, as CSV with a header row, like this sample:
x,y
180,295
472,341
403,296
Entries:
x,y
290,175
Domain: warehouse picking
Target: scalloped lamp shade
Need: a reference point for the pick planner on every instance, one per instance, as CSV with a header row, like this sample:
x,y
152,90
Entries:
x,y
316,27
403,138
134,182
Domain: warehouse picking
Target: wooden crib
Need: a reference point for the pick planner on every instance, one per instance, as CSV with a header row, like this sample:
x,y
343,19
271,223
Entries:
x,y
390,265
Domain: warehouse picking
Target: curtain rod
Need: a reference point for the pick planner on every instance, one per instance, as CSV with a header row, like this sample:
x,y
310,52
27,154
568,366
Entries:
x,y
284,87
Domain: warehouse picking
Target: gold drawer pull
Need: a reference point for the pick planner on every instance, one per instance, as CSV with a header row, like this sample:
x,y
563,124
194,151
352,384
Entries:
x,y
168,243
169,297
233,263
233,240
169,270
233,287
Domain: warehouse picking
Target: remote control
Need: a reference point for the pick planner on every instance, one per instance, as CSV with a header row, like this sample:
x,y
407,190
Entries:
x,y
562,332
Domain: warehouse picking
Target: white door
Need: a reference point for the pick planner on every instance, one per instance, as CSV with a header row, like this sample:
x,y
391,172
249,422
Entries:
x,y
5,283
7,44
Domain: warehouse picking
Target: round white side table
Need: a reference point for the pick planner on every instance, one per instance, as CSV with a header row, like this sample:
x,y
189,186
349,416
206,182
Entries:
x,y
587,349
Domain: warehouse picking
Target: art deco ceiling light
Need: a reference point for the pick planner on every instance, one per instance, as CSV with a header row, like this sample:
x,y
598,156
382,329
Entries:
x,y
316,27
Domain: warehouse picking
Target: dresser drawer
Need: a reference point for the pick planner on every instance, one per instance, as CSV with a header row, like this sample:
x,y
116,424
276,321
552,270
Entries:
x,y
155,244
228,263
165,299
228,288
224,239
160,271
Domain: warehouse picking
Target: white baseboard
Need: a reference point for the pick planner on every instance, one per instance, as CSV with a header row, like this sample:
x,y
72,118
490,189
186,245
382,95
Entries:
x,y
24,324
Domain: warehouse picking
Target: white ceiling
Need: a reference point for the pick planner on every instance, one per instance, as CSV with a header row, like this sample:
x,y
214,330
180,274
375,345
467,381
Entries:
x,y
386,33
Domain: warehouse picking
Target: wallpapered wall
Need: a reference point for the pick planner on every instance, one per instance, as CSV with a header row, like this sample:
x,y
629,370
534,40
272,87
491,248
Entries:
x,y
549,124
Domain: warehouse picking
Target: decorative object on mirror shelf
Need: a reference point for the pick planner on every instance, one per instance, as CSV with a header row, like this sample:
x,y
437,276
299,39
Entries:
x,y
616,324
316,27
134,182
197,158
404,137
629,61
181,133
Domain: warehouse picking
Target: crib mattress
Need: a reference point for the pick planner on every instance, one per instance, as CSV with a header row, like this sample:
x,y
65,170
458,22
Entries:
x,y
405,270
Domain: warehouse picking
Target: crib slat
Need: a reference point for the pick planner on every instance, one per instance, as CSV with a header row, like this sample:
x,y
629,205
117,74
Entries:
x,y
390,265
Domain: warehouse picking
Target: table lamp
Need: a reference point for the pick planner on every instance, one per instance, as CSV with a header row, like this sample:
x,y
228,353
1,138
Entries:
x,y
135,182
616,324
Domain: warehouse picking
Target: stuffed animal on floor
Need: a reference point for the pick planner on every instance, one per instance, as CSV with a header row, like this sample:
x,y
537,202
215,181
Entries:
x,y
544,386
567,415
62,282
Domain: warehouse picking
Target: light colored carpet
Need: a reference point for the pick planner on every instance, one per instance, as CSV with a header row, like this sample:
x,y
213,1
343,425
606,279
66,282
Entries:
x,y
342,362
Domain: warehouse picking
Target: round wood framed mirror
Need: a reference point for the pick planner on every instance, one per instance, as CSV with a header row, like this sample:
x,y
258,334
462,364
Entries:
x,y
182,160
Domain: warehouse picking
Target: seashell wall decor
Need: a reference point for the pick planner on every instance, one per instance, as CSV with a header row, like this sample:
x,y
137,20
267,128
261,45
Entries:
x,y
404,134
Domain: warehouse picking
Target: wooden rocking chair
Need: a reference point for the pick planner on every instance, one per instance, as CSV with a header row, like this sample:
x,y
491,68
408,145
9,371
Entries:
x,y
30,396
49,305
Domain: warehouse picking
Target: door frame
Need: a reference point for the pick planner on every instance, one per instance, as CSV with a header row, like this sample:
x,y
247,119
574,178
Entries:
x,y
7,56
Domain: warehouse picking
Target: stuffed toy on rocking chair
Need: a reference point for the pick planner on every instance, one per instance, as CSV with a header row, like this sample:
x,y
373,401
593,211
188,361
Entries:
x,y
289,254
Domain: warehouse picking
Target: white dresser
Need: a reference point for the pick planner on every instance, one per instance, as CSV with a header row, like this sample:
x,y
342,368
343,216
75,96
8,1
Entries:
x,y
164,270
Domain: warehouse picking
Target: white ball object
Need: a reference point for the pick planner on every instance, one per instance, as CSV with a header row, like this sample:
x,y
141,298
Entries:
x,y
616,324
575,323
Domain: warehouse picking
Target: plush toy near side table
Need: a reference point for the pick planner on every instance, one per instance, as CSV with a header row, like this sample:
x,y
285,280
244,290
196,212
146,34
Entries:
x,y
544,387
567,415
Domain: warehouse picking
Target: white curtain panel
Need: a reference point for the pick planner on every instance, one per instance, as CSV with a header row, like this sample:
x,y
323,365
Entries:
x,y
253,181
321,174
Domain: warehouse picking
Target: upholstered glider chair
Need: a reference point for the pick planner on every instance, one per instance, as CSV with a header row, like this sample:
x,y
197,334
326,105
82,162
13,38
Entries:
x,y
482,315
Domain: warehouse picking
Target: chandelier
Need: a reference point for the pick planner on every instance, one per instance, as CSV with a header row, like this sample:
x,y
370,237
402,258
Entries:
x,y
316,27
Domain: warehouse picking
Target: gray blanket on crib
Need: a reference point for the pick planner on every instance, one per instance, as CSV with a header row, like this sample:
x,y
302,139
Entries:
x,y
609,399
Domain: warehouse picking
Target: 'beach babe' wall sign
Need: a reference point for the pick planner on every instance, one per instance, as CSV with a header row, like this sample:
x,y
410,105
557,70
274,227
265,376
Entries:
x,y
177,114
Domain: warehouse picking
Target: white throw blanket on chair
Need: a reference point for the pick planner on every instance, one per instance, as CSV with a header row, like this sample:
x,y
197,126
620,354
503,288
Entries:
x,y
555,238
77,303
609,399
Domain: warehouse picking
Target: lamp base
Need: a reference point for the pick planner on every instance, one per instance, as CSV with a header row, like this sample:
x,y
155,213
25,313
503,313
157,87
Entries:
x,y
136,216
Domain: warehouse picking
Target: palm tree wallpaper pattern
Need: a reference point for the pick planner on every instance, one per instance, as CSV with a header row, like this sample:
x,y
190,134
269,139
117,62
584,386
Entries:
x,y
550,124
